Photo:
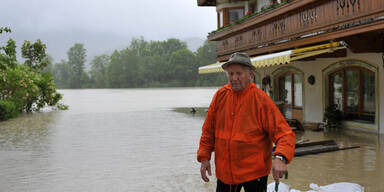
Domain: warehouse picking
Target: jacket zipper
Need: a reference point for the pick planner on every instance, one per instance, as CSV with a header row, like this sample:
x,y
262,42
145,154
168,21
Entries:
x,y
230,135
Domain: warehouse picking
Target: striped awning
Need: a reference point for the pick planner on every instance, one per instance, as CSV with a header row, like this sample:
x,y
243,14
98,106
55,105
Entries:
x,y
212,68
280,58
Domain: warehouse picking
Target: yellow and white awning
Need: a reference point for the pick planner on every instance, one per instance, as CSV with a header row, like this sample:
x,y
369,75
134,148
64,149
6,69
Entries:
x,y
212,68
280,58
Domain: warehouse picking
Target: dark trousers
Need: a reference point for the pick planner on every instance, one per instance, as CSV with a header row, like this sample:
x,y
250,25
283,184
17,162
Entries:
x,y
257,185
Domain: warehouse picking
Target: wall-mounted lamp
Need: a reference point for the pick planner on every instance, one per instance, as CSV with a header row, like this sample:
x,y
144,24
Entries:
x,y
311,80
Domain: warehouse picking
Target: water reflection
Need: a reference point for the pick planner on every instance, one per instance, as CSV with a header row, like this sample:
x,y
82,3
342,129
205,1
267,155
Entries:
x,y
363,165
28,132
109,140
25,149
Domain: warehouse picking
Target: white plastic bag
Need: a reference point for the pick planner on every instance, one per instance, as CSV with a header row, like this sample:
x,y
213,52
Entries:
x,y
282,187
337,187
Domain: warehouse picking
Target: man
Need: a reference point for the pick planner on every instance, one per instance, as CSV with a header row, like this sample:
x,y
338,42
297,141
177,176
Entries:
x,y
241,126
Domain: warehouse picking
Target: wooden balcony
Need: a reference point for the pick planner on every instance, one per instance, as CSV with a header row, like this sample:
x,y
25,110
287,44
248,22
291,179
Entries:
x,y
299,23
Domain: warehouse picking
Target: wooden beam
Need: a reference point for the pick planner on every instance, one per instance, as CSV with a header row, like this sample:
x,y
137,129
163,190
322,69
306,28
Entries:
x,y
206,2
319,147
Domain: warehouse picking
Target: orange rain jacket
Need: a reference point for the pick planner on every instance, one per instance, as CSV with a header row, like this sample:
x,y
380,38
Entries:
x,y
240,127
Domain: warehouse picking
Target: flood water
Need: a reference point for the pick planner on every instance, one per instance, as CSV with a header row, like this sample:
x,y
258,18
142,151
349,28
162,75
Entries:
x,y
132,140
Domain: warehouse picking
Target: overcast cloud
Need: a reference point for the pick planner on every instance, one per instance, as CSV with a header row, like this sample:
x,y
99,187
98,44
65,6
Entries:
x,y
101,25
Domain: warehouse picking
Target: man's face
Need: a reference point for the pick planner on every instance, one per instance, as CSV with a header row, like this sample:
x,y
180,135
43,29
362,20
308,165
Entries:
x,y
238,76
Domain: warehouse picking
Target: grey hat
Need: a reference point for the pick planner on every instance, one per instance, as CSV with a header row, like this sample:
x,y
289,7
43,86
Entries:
x,y
239,58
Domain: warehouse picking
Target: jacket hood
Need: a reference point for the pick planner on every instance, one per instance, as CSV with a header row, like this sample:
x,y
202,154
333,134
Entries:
x,y
250,86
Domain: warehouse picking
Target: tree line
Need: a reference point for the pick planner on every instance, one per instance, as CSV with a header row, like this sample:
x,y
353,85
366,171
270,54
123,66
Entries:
x,y
142,64
31,85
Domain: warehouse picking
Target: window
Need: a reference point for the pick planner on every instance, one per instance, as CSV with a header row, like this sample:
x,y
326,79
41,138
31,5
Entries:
x,y
229,15
290,94
290,89
352,89
254,8
235,14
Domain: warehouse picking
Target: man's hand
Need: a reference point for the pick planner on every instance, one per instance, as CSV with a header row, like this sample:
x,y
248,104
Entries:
x,y
205,166
279,168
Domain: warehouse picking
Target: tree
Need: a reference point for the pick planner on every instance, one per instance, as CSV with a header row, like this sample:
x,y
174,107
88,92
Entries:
x,y
61,73
140,47
123,69
183,67
35,54
49,67
165,47
206,55
23,87
173,45
98,73
5,29
8,57
76,61
142,64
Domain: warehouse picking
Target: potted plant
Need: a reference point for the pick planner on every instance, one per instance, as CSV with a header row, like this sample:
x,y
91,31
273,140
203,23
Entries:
x,y
332,117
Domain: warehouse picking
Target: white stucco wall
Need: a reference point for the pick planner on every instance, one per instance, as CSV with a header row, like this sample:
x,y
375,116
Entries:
x,y
262,3
313,99
312,93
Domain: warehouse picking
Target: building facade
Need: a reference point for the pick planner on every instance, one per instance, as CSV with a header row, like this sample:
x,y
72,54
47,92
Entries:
x,y
309,54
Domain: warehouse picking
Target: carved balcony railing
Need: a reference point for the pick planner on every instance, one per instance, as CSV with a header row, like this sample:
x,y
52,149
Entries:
x,y
299,23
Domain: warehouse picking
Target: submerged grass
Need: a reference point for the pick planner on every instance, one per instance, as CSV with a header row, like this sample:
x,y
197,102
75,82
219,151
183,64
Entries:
x,y
200,111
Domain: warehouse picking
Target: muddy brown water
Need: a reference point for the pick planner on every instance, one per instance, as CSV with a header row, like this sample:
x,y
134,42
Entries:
x,y
133,140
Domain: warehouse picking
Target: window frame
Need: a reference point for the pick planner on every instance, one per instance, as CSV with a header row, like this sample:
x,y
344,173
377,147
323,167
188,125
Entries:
x,y
226,15
253,6
279,96
342,71
219,19
233,8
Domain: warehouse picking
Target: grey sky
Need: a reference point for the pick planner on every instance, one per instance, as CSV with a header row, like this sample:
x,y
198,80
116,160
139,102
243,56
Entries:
x,y
101,25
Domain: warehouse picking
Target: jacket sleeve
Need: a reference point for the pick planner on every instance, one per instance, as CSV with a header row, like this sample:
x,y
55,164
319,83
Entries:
x,y
207,139
278,129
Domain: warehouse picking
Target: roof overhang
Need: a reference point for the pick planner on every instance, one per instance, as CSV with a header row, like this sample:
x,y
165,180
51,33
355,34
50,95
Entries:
x,y
206,2
280,58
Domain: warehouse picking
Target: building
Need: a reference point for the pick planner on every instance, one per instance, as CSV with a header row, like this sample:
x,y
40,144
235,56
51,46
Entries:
x,y
309,54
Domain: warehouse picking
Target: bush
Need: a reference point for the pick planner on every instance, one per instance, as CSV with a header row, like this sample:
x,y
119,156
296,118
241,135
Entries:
x,y
27,89
20,87
7,110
